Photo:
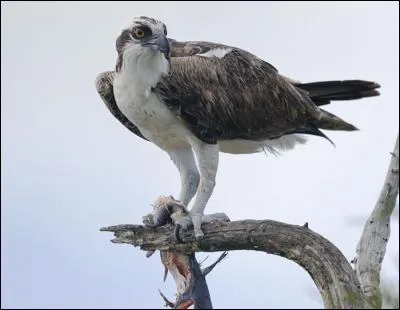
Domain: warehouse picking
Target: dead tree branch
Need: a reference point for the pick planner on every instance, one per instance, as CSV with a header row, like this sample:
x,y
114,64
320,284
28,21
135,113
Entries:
x,y
339,285
372,245
332,274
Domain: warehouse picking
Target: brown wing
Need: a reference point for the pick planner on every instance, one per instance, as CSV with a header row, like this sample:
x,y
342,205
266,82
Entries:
x,y
237,96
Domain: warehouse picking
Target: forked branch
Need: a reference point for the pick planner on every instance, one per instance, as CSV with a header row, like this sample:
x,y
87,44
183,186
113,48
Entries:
x,y
340,286
332,274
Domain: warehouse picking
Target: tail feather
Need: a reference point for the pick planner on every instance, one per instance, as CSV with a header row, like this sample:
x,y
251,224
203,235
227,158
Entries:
x,y
329,121
323,93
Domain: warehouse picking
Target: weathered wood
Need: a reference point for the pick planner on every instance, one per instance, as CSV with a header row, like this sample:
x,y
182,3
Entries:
x,y
332,274
372,245
339,285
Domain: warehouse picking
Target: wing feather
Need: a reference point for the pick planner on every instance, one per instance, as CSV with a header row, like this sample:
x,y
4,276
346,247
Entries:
x,y
238,96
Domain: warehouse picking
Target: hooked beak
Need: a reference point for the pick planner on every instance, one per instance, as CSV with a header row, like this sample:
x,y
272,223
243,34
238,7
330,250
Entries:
x,y
158,43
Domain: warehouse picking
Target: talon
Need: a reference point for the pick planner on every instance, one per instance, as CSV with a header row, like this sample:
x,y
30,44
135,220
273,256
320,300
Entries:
x,y
176,232
198,234
196,219
181,223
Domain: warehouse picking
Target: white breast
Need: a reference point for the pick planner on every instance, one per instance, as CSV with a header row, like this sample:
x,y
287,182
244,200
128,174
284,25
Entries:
x,y
152,117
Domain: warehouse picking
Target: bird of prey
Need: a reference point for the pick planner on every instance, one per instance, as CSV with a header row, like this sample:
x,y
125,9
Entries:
x,y
197,99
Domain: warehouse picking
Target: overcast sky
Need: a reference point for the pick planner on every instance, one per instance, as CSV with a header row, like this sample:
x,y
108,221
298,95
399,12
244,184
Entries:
x,y
69,167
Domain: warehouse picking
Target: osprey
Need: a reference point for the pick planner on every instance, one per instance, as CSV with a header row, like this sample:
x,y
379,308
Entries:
x,y
196,99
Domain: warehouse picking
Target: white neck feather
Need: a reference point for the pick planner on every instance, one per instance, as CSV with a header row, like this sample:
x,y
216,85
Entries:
x,y
144,68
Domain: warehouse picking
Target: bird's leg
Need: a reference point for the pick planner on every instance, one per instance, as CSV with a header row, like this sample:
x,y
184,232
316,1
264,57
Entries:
x,y
184,161
207,158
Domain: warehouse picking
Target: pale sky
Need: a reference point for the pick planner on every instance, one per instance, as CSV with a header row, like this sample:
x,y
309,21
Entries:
x,y
69,167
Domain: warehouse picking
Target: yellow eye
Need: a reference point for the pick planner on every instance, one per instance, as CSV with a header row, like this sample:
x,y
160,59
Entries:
x,y
138,33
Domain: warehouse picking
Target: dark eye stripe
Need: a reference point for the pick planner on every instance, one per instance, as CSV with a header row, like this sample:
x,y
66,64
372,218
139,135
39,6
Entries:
x,y
124,37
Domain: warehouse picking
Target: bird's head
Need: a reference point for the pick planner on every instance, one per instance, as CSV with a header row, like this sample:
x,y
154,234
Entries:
x,y
145,38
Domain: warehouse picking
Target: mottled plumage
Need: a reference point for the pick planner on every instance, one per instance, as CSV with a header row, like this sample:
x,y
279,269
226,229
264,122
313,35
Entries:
x,y
199,98
200,91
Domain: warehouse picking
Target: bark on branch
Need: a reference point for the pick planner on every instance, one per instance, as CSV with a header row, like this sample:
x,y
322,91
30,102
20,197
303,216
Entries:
x,y
372,245
332,274
339,285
